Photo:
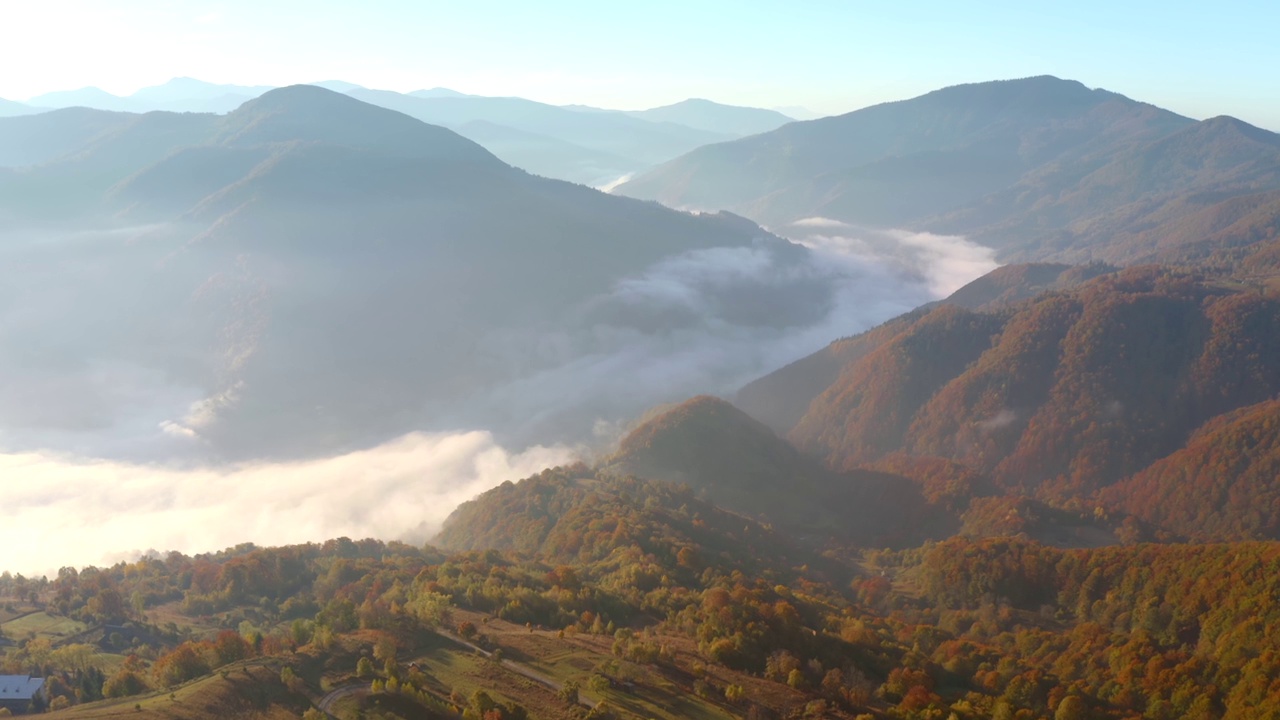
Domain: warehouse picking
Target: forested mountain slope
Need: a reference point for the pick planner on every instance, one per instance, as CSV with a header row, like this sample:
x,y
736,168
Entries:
x,y
716,449
1129,378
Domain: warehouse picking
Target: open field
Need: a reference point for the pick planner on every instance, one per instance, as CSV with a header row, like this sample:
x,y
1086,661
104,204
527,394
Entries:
x,y
42,624
246,689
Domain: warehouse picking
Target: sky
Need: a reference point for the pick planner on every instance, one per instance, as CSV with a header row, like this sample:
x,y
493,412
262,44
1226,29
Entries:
x,y
832,56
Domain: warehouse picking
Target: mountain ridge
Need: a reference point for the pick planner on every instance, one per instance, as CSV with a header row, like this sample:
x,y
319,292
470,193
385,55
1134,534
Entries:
x,y
1041,169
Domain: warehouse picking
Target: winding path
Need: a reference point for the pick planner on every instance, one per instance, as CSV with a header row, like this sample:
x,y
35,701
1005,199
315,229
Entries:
x,y
517,668
328,701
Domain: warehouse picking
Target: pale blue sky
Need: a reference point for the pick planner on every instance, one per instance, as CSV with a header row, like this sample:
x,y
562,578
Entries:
x,y
1200,59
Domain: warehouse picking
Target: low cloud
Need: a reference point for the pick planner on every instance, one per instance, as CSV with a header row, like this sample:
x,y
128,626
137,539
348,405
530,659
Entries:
x,y
943,263
1002,419
616,182
63,511
111,406
821,222
710,321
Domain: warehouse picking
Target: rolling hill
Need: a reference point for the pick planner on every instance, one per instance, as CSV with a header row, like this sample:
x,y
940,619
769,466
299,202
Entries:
x,y
715,448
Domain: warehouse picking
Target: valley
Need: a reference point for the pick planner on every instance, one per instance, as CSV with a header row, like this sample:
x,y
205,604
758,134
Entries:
x,y
326,401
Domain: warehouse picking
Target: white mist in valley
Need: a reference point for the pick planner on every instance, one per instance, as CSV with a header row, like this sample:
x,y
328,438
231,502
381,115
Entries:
x,y
104,457
710,321
66,511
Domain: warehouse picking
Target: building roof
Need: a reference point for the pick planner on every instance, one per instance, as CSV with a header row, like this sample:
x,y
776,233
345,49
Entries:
x,y
19,687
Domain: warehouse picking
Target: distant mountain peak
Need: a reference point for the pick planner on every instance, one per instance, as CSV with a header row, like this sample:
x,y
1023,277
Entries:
x,y
438,92
711,116
696,102
189,88
1037,88
290,95
92,97
313,114
1227,123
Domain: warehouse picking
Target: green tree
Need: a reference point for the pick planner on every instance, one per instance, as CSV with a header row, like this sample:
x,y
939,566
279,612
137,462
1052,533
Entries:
x,y
734,693
598,683
569,693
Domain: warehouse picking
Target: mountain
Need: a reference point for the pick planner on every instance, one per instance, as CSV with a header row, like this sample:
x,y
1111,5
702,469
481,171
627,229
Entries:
x,y
1038,168
9,108
544,514
642,142
71,187
543,139
339,86
438,92
714,117
1101,384
1221,486
191,95
971,139
1010,284
782,397
545,155
90,97
177,95
311,272
1143,203
34,139
717,449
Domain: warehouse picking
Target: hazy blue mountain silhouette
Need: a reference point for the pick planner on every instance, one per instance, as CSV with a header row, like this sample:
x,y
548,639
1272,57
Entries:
x,y
545,155
89,97
320,273
191,95
38,138
1038,167
438,92
714,117
616,133
9,108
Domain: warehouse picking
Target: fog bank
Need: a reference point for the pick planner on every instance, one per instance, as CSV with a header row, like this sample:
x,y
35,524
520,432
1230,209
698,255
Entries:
x,y
74,512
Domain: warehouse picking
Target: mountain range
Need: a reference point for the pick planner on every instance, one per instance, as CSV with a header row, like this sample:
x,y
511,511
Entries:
x,y
311,271
1050,492
586,145
1038,168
